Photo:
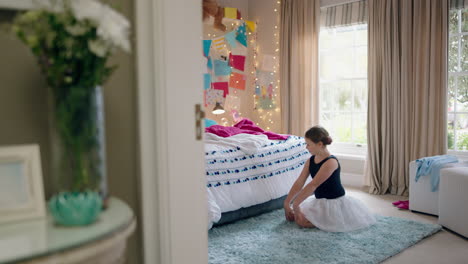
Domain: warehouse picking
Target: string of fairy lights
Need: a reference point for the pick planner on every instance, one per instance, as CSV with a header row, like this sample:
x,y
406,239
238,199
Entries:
x,y
267,117
264,118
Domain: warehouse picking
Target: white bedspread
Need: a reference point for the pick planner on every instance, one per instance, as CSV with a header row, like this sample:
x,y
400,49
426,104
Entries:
x,y
250,169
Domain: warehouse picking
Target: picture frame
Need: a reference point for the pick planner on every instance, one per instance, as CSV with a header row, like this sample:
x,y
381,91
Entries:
x,y
21,185
16,4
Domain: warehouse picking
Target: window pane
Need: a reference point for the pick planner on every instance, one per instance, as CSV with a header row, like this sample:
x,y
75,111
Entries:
x,y
326,120
462,95
361,62
450,132
453,54
462,131
464,22
343,63
344,96
360,128
328,97
327,64
344,37
451,94
360,95
361,36
464,53
343,127
453,21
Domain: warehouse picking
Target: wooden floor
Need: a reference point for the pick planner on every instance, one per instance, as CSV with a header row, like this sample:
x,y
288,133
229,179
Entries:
x,y
443,247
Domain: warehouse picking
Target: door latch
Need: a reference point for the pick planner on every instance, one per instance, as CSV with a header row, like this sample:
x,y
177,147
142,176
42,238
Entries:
x,y
199,115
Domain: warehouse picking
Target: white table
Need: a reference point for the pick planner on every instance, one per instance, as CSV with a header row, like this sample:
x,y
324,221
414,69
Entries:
x,y
41,241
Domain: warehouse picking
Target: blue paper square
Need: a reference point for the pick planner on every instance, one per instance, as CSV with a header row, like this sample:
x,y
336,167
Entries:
x,y
207,78
231,38
241,36
206,47
221,68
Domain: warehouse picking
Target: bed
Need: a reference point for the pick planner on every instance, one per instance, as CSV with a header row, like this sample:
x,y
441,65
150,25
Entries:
x,y
249,174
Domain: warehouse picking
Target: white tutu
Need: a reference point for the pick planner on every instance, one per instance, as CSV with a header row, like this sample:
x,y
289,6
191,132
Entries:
x,y
342,214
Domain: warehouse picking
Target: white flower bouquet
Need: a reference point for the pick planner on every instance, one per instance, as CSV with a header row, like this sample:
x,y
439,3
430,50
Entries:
x,y
72,40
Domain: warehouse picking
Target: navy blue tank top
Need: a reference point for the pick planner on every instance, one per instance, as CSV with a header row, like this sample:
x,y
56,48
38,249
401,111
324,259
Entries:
x,y
331,188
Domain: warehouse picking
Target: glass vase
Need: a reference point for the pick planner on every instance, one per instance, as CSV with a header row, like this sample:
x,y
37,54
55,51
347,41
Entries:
x,y
77,140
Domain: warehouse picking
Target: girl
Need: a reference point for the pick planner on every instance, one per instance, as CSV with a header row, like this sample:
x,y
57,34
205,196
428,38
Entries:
x,y
328,209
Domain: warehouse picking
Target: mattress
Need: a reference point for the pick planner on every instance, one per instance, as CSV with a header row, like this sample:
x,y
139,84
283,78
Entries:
x,y
239,179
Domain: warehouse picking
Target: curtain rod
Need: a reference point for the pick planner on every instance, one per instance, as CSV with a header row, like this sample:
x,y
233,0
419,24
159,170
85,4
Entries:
x,y
331,3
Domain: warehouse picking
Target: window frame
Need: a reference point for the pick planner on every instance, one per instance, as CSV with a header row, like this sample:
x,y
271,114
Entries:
x,y
348,148
459,34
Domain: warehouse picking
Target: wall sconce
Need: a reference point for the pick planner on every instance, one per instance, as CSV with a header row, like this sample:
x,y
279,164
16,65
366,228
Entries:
x,y
218,109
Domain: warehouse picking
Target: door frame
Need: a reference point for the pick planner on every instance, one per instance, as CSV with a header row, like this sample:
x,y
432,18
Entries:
x,y
166,195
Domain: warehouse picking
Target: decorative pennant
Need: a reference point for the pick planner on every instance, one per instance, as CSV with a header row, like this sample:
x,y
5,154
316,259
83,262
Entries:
x,y
212,96
231,39
230,12
257,90
209,64
250,25
268,63
207,81
206,47
237,62
219,44
237,81
232,102
241,36
221,67
222,86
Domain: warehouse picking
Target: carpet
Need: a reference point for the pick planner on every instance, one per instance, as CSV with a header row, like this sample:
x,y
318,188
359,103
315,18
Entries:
x,y
269,238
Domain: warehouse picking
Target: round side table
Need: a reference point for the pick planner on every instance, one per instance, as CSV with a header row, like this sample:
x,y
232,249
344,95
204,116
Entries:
x,y
42,242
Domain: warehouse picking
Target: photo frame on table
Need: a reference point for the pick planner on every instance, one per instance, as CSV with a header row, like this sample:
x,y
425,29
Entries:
x,y
21,186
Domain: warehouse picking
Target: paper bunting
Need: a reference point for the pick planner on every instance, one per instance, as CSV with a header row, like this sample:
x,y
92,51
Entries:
x,y
241,36
222,86
230,12
221,67
231,39
219,44
232,102
206,47
250,25
237,81
207,81
212,96
209,64
237,62
268,63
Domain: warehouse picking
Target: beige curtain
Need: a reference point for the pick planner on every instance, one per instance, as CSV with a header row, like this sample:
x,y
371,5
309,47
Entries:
x,y
300,26
407,75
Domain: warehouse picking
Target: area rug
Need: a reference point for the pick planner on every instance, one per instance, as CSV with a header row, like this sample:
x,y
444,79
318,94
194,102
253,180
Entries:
x,y
269,238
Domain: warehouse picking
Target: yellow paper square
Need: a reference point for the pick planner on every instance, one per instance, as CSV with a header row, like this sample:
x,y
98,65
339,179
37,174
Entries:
x,y
250,25
230,12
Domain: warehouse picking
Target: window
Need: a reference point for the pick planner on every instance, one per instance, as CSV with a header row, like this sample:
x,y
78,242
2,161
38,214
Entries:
x,y
457,127
343,86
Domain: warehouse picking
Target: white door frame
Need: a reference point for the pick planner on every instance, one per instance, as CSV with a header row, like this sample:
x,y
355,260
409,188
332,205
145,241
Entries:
x,y
169,78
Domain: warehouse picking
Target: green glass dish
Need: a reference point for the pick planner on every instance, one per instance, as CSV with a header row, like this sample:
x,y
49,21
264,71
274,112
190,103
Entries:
x,y
75,208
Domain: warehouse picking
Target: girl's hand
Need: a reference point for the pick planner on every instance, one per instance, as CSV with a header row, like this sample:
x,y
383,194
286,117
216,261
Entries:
x,y
288,213
300,219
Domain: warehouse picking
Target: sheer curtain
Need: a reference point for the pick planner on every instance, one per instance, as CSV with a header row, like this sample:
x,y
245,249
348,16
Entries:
x,y
300,27
407,75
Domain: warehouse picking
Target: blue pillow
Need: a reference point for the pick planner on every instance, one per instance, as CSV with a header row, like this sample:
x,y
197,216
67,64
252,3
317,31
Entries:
x,y
209,122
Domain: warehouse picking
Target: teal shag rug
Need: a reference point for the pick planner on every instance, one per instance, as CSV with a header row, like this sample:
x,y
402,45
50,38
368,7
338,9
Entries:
x,y
270,239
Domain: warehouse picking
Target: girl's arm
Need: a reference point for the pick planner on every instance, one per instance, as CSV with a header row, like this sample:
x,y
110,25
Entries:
x,y
298,184
322,175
